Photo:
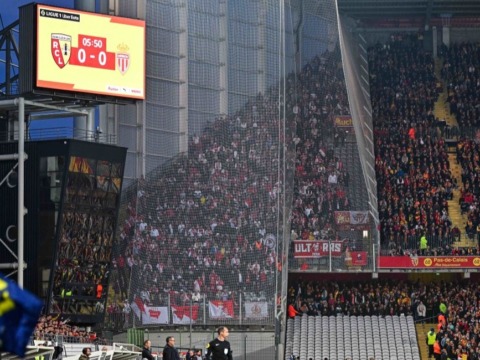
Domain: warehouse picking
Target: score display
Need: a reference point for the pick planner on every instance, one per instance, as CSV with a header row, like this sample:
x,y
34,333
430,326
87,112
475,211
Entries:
x,y
87,52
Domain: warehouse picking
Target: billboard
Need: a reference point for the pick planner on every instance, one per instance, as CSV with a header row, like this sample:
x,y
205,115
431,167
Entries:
x,y
343,121
90,53
429,262
311,249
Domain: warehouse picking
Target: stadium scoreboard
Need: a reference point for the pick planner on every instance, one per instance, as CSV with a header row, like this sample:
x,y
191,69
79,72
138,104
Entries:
x,y
81,52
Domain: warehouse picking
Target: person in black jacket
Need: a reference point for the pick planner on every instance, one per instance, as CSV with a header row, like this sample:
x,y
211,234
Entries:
x,y
169,351
219,349
146,352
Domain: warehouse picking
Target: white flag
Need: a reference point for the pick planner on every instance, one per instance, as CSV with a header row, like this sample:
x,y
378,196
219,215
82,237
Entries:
x,y
220,309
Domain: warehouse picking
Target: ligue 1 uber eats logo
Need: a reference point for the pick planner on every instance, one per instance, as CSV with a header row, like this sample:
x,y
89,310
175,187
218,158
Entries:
x,y
91,52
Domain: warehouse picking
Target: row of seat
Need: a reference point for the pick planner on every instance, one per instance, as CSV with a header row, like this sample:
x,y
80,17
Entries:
x,y
354,337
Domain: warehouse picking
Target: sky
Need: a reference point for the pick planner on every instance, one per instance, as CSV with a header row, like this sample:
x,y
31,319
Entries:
x,y
9,8
9,13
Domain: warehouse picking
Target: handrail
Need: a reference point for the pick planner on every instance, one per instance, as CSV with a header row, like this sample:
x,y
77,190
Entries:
x,y
427,318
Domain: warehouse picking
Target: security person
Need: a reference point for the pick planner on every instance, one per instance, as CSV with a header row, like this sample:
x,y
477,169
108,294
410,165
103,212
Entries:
x,y
423,244
219,349
431,337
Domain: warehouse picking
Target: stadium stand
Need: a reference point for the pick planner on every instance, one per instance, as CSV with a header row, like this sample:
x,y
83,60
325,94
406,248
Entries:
x,y
321,177
189,207
460,72
197,221
49,328
467,157
365,312
352,337
412,167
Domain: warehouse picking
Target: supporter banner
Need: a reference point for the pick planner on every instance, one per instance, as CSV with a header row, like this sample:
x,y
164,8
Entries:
x,y
428,262
181,314
138,307
343,121
149,314
155,315
256,310
359,258
347,220
221,309
316,248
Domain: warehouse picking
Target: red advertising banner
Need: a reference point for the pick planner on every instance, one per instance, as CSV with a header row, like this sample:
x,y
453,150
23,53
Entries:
x,y
359,258
311,249
428,262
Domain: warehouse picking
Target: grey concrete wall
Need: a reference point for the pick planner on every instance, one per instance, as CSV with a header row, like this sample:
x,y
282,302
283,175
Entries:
x,y
245,345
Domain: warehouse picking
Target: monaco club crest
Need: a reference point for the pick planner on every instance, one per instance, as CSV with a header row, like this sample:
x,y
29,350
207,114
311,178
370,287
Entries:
x,y
61,46
123,58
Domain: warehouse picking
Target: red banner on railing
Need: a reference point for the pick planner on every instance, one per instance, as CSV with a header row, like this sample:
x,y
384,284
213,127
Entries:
x,y
359,258
316,248
428,262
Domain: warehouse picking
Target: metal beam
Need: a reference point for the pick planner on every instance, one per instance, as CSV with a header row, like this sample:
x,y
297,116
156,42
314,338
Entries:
x,y
21,188
428,14
84,112
8,157
9,266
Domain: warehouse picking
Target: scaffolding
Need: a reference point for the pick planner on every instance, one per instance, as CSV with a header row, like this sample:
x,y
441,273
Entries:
x,y
22,107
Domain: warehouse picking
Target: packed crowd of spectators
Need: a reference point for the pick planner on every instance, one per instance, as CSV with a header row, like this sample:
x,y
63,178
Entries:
x,y
321,179
414,181
49,328
468,157
85,240
207,222
458,301
461,73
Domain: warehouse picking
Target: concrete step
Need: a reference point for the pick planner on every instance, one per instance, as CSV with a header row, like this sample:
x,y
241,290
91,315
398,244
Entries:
x,y
422,330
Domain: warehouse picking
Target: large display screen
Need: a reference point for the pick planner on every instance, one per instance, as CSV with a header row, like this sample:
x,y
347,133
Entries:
x,y
90,53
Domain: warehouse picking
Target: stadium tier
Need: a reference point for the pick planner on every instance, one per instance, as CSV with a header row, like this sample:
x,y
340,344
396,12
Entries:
x,y
273,157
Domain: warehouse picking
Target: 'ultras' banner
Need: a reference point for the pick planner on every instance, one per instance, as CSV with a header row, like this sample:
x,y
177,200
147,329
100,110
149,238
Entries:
x,y
221,309
256,310
429,262
316,248
347,220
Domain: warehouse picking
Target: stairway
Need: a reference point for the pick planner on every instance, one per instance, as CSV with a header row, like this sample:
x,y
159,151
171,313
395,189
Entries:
x,y
441,111
422,330
454,210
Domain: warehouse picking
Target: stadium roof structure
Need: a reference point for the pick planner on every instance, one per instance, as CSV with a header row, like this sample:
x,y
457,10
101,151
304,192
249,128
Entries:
x,y
374,9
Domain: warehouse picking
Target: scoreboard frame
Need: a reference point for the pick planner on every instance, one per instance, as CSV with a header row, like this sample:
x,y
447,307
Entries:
x,y
78,54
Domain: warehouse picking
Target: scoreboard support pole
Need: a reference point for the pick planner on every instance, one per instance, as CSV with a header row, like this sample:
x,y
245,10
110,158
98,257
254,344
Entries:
x,y
21,211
